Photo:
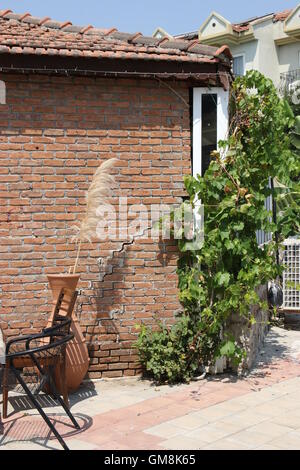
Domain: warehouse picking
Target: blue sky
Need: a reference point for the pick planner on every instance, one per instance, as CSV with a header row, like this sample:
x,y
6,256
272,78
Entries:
x,y
143,15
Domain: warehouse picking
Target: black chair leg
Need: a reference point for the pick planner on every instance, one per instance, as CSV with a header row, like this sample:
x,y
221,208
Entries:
x,y
54,391
61,401
38,407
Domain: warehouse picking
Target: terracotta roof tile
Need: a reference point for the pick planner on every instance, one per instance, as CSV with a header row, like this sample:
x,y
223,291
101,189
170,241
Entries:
x,y
146,41
52,24
12,16
181,45
35,20
4,12
102,31
282,16
85,29
26,34
239,28
69,28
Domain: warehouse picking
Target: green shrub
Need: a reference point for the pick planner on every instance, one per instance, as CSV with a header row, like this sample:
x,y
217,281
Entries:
x,y
172,354
221,277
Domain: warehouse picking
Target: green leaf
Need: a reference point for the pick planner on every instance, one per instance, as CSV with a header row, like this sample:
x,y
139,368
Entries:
x,y
223,279
228,349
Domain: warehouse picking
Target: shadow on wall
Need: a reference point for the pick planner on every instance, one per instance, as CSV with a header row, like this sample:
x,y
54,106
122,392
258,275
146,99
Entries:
x,y
118,301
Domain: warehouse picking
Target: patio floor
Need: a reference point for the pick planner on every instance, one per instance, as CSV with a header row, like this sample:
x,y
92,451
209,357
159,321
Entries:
x,y
260,411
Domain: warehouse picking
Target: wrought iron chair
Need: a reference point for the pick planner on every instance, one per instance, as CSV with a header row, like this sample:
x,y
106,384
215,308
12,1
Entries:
x,y
65,305
46,353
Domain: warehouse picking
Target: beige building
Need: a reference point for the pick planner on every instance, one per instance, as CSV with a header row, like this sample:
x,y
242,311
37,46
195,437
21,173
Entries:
x,y
270,43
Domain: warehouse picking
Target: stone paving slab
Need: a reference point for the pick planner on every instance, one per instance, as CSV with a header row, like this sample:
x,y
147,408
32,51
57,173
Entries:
x,y
258,411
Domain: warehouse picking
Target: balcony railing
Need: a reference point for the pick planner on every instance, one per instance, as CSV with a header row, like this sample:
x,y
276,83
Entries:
x,y
287,79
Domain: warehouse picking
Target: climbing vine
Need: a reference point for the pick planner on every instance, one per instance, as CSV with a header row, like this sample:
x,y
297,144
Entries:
x,y
221,277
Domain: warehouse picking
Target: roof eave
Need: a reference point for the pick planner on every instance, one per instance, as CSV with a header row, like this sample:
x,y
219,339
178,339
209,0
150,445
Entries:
x,y
231,38
65,66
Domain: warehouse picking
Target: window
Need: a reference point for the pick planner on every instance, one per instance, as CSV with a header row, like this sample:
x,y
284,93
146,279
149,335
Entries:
x,y
239,65
210,124
209,128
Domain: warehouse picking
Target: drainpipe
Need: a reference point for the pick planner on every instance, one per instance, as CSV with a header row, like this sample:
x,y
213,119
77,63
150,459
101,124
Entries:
x,y
274,210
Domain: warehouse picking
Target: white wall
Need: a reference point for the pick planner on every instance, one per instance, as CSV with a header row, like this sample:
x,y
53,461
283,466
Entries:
x,y
288,57
268,58
250,52
214,26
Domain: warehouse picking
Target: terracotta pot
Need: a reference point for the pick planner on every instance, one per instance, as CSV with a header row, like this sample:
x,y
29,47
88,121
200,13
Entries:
x,y
77,357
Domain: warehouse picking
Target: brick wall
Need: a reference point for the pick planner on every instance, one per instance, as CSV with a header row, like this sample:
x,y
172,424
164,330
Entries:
x,y
54,132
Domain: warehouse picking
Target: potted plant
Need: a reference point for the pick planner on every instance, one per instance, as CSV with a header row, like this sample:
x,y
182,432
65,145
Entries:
x,y
77,353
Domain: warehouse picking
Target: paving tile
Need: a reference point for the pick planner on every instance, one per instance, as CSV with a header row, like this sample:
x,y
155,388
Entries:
x,y
139,441
216,412
252,439
98,436
269,393
226,444
295,411
157,403
245,419
269,409
164,430
201,402
268,447
114,445
94,409
165,414
253,399
270,429
289,419
22,446
228,428
290,441
77,444
230,406
288,386
210,433
285,402
295,396
182,443
189,422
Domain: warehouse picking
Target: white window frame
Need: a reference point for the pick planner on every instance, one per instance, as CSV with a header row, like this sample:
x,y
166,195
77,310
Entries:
x,y
222,131
222,122
243,55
